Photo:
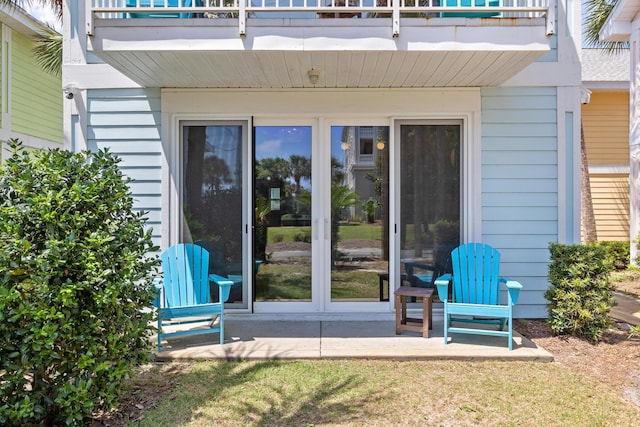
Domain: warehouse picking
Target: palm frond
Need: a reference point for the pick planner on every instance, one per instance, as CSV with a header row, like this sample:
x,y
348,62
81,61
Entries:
x,y
48,51
597,12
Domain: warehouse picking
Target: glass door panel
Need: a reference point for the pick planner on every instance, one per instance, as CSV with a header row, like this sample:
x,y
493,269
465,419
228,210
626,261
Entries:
x,y
212,198
359,213
429,199
282,228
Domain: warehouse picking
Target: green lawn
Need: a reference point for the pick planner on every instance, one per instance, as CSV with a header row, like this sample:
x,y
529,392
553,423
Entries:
x,y
347,232
379,393
283,282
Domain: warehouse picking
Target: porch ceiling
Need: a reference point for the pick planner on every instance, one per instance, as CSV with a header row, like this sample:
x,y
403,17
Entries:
x,y
280,57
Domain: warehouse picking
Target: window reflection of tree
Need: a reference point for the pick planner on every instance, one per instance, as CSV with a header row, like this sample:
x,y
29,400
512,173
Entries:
x,y
430,187
212,200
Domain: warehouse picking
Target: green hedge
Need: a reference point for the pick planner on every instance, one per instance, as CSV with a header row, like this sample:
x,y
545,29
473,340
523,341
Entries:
x,y
75,286
580,295
617,253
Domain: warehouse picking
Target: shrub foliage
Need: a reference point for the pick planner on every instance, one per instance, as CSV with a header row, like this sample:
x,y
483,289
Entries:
x,y
580,295
75,282
617,253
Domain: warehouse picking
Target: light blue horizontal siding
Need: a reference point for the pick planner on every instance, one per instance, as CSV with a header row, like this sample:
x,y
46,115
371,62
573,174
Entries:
x,y
499,143
518,171
516,185
519,213
520,199
514,227
127,122
520,157
520,185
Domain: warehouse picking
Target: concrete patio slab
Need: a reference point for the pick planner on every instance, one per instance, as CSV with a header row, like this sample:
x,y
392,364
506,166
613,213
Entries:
x,y
331,339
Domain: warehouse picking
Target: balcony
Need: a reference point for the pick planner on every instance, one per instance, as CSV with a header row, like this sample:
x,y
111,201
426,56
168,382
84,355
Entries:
x,y
354,44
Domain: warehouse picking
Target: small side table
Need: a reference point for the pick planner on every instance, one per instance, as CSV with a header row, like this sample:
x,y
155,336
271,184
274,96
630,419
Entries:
x,y
421,325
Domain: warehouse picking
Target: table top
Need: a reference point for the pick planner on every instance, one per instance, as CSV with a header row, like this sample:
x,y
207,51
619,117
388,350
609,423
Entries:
x,y
414,292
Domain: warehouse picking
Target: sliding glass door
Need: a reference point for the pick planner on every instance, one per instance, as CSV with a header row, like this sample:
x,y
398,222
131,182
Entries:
x,y
429,198
213,198
283,226
308,228
359,216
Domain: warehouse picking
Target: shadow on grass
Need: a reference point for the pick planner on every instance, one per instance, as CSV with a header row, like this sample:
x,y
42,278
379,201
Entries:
x,y
263,393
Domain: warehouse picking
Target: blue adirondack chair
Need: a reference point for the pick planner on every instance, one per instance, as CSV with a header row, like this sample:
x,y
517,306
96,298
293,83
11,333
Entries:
x,y
475,292
184,295
426,279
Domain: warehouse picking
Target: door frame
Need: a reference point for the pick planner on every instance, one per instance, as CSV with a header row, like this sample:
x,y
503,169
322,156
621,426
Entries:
x,y
470,182
347,306
172,178
285,107
316,303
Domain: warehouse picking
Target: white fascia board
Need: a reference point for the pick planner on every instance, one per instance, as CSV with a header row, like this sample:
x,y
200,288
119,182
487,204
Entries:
x,y
194,38
606,86
95,76
20,21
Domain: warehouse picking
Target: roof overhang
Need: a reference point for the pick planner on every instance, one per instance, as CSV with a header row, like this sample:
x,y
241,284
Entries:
x,y
280,53
19,20
617,27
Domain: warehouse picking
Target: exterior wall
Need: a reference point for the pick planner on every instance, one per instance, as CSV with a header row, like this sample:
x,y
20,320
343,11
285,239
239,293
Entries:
x,y
36,96
610,198
606,131
127,122
605,121
520,183
523,188
634,139
30,99
519,163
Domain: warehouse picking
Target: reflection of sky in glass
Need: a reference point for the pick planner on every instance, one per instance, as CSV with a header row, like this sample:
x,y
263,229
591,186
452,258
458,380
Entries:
x,y
336,141
283,142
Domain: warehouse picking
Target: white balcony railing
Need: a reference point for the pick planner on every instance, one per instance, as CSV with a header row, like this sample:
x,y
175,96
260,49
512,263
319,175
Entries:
x,y
240,10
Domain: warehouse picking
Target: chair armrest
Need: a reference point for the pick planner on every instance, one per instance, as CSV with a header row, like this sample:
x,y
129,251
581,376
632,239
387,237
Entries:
x,y
258,263
224,284
409,265
442,283
157,283
513,288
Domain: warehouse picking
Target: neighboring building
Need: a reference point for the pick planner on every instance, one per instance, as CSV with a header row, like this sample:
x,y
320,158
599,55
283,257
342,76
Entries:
x,y
623,24
30,98
605,120
477,128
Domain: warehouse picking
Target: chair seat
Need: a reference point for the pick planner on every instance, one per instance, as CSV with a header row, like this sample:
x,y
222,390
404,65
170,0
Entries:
x,y
191,310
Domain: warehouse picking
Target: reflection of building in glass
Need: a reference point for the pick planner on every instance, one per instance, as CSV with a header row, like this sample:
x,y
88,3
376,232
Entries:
x,y
362,145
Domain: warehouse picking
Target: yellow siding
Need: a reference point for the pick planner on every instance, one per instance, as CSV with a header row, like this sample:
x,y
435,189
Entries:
x,y
36,96
605,121
610,197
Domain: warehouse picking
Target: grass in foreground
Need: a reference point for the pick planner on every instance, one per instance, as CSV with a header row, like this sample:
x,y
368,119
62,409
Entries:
x,y
369,393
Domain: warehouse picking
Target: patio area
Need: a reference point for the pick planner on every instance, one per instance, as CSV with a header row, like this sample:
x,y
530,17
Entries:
x,y
319,337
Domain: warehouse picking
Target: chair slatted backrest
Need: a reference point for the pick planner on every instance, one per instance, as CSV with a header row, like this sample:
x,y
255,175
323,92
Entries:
x,y
186,275
476,274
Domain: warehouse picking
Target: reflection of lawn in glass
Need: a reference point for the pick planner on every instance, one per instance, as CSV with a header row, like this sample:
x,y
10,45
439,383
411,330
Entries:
x,y
351,284
353,231
349,231
284,281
